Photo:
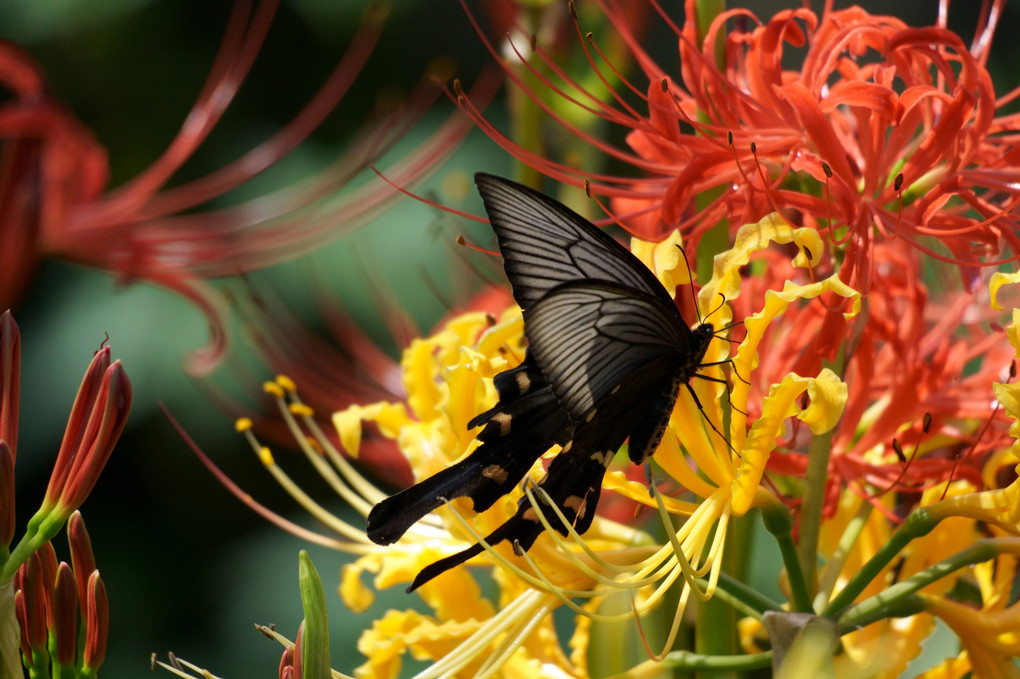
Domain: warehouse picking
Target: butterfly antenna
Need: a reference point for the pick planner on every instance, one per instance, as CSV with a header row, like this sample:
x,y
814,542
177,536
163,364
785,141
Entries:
x,y
733,407
722,303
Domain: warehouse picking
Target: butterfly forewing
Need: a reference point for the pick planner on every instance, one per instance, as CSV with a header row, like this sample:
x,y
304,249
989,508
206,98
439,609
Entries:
x,y
588,337
545,244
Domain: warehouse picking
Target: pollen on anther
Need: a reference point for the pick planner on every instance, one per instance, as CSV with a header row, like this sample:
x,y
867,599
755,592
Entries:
x,y
266,456
273,389
286,383
301,409
243,424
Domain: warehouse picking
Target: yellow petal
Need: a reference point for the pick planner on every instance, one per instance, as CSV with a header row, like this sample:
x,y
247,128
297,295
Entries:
x,y
828,396
776,303
398,632
749,239
390,417
997,280
664,259
780,404
420,383
353,592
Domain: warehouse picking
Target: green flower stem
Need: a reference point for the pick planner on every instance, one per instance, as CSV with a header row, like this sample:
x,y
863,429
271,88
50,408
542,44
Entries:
x,y
714,241
843,549
686,660
716,630
41,528
779,523
707,11
811,507
526,116
879,606
920,522
741,596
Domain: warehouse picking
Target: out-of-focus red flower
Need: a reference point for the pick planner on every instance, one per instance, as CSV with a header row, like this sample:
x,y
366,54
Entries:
x,y
872,101
54,199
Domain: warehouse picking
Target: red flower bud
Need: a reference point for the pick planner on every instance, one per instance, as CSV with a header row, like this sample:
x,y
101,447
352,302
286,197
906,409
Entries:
x,y
97,419
31,609
63,617
97,623
83,561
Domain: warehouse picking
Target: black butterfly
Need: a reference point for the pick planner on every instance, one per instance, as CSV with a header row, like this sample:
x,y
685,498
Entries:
x,y
607,353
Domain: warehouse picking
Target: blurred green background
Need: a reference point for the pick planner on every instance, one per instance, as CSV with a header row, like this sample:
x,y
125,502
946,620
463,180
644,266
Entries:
x,y
187,567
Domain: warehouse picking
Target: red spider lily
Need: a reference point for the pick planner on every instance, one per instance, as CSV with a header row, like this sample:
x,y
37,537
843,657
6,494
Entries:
x,y
873,100
54,202
908,359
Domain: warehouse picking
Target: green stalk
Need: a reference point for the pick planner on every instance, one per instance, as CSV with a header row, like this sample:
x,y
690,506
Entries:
x,y
681,662
715,664
843,548
525,115
716,631
878,606
920,522
779,523
815,480
742,597
811,508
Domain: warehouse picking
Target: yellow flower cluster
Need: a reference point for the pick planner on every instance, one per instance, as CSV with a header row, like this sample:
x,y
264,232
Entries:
x,y
448,378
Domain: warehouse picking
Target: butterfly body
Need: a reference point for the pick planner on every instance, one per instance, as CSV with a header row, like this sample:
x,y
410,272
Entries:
x,y
607,354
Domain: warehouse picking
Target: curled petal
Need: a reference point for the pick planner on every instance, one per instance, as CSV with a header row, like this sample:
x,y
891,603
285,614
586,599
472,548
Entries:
x,y
828,396
389,417
749,239
780,404
776,304
998,280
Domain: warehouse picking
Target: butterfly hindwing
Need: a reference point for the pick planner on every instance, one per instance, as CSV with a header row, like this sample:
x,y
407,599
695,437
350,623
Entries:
x,y
516,432
588,337
573,481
